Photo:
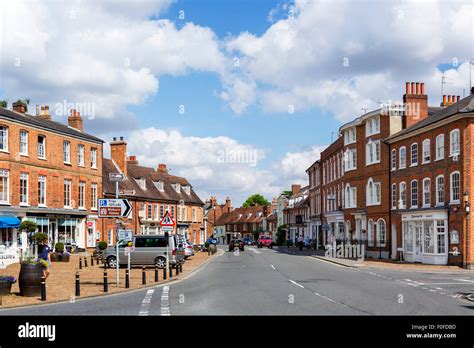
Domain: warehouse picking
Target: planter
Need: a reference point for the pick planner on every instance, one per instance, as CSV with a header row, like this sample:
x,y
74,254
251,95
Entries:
x,y
5,288
30,279
55,257
65,258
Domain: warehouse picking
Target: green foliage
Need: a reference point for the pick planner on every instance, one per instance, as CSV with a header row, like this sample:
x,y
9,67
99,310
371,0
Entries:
x,y
287,193
40,237
255,234
281,235
102,245
28,226
59,247
3,103
255,199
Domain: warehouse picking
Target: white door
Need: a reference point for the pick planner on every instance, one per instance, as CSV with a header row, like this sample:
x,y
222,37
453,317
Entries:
x,y
90,237
417,245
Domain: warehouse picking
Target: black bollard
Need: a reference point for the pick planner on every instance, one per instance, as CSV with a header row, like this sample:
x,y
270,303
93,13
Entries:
x,y
85,261
171,271
106,285
78,285
127,279
156,274
177,269
208,252
181,267
143,276
80,263
164,273
43,288
92,260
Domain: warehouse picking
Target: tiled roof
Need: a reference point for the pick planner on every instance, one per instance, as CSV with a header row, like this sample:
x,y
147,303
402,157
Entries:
x,y
54,126
151,192
233,216
463,106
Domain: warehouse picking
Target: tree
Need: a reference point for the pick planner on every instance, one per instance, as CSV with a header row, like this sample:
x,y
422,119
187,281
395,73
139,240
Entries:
x,y
281,234
287,193
256,199
3,103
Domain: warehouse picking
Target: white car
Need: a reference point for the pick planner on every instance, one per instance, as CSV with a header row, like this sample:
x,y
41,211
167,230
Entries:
x,y
188,249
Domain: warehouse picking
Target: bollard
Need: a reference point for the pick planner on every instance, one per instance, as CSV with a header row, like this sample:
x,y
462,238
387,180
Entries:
x,y
80,263
181,268
208,252
177,269
164,273
171,271
43,288
78,285
106,285
85,261
127,278
143,276
92,260
156,273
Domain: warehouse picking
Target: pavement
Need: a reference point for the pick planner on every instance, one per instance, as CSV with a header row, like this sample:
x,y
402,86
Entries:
x,y
275,282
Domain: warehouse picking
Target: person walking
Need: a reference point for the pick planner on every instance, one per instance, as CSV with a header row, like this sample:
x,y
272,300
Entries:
x,y
45,258
300,242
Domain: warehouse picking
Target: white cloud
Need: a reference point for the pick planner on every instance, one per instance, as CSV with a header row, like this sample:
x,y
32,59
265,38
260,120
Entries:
x,y
292,167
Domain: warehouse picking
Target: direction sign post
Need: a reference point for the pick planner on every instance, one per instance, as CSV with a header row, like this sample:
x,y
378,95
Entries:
x,y
167,223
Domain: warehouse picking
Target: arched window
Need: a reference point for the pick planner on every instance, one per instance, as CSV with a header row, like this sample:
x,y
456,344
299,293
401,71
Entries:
x,y
454,142
426,192
370,192
370,232
440,147
414,154
381,233
426,151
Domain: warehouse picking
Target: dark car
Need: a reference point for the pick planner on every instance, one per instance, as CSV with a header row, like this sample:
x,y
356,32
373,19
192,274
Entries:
x,y
212,240
247,241
236,243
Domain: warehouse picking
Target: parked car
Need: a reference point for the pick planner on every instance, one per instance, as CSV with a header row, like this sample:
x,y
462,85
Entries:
x,y
236,243
265,241
149,250
248,241
188,249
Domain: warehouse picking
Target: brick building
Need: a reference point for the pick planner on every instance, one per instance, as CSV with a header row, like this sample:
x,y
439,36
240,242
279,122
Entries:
x,y
212,212
50,173
432,181
297,213
315,223
151,192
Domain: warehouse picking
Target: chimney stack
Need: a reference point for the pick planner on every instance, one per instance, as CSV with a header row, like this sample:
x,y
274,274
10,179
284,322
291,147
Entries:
x,y
416,103
118,152
132,160
228,204
44,113
75,120
295,189
213,201
450,100
20,106
162,168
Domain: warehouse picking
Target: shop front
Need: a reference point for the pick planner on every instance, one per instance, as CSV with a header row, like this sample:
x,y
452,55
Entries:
x,y
183,230
425,237
9,240
335,227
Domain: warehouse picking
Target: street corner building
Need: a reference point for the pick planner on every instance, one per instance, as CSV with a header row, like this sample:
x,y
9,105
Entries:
x,y
400,181
51,174
152,192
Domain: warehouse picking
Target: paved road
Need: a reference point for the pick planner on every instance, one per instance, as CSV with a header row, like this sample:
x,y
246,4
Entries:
x,y
272,282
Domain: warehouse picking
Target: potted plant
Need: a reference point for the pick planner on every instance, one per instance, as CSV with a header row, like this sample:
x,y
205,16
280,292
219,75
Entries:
x,y
99,250
29,280
6,284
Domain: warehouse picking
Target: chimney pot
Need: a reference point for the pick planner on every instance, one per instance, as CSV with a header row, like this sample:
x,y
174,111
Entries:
x,y
162,168
423,88
417,88
450,100
44,112
458,98
444,100
121,138
75,120
407,87
114,139
413,90
19,106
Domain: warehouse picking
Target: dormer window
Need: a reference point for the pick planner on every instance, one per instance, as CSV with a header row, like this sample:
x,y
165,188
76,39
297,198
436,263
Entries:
x,y
141,182
177,187
159,185
240,215
187,189
249,215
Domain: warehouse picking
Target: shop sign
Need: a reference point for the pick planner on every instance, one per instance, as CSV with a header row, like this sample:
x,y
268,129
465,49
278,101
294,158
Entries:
x,y
8,256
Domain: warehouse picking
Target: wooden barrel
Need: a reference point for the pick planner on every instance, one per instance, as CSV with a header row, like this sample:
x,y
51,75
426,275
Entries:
x,y
30,279
65,257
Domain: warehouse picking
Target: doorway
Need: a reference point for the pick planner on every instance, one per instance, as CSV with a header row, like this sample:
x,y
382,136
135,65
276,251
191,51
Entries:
x,y
417,250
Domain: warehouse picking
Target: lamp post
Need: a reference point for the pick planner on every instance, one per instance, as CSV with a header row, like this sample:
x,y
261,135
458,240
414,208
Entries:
x,y
467,210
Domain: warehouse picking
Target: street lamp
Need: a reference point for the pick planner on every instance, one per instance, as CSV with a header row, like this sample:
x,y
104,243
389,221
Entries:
x,y
466,201
467,208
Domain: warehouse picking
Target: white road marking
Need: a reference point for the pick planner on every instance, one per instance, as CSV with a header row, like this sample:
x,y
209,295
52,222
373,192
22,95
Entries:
x,y
327,298
255,250
145,308
465,280
301,286
273,267
329,262
165,303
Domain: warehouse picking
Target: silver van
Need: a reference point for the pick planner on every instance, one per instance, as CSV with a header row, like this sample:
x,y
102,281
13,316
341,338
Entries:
x,y
149,250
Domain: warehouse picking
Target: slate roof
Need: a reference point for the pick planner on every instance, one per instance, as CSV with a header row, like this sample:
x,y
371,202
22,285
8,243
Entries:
x,y
233,216
150,175
463,106
50,125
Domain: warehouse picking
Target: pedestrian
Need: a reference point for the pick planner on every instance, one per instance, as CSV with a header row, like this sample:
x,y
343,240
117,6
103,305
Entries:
x,y
300,242
45,258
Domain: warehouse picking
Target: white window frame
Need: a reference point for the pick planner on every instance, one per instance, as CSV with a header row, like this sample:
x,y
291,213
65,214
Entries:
x,y
41,145
94,158
372,126
438,191
402,165
351,162
370,232
402,203
371,152
426,193
24,142
413,206
67,193
81,195
42,180
393,159
94,196
4,134
67,152
426,151
379,234
394,196
24,177
439,146
80,155
412,164
454,144
5,178
451,192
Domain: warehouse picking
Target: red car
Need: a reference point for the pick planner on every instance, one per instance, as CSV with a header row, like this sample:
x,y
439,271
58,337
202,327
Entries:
x,y
265,241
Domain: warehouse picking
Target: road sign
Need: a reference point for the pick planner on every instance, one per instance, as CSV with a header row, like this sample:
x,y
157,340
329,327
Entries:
x,y
116,177
167,220
126,235
128,250
127,192
114,208
90,223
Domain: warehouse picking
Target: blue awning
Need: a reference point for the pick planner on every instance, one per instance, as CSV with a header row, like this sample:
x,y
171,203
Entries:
x,y
9,221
